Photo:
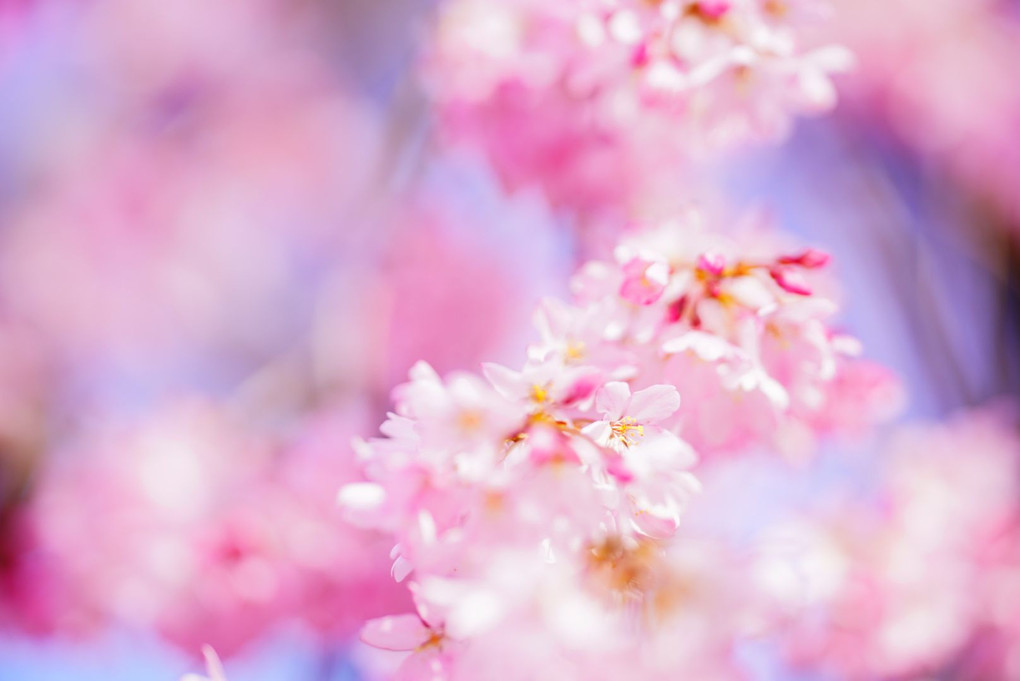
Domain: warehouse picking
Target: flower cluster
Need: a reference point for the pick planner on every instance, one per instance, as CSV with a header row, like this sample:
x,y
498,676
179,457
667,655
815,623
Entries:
x,y
739,325
592,99
922,577
207,530
189,232
539,509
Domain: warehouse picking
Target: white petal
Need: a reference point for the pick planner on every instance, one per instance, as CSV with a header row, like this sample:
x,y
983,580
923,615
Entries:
x,y
507,382
599,432
213,664
612,399
703,345
401,569
478,611
625,28
423,371
361,497
653,404
395,632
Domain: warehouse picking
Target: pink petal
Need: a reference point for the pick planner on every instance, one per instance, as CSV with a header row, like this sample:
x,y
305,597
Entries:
x,y
659,520
214,668
599,431
402,567
213,664
361,497
423,371
507,382
790,281
712,263
428,665
653,404
617,467
583,388
703,345
395,632
612,399
812,258
644,281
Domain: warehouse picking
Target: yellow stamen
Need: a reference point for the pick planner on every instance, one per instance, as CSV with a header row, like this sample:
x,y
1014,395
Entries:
x,y
434,640
777,8
575,350
493,501
627,430
726,299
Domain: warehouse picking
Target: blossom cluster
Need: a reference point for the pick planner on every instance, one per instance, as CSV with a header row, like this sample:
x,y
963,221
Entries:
x,y
598,101
199,525
185,252
919,578
539,509
216,260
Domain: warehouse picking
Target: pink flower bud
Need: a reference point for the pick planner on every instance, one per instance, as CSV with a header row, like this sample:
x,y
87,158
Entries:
x,y
712,263
811,259
789,281
644,281
713,9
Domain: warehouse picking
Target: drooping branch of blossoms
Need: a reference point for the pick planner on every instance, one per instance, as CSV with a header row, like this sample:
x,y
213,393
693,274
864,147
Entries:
x,y
602,102
534,509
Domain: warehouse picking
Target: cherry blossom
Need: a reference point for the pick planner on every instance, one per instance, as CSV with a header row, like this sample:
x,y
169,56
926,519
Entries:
x,y
596,102
913,581
198,526
550,499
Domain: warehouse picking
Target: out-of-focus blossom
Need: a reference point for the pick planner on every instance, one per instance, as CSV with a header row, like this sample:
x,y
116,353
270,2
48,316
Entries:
x,y
197,525
213,207
453,283
948,95
154,236
916,581
187,245
598,103
191,196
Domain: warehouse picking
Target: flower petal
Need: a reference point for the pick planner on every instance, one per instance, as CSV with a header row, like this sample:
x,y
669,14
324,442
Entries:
x,y
507,382
612,400
395,632
653,404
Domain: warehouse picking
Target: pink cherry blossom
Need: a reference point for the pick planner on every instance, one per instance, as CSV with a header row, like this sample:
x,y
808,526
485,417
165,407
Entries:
x,y
550,499
426,643
194,524
625,415
913,582
601,102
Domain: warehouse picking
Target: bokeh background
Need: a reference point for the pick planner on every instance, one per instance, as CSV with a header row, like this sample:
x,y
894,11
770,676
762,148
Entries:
x,y
228,228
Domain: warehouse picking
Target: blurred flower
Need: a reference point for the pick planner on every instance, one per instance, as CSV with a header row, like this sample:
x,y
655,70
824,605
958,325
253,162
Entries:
x,y
947,96
598,103
908,586
196,525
